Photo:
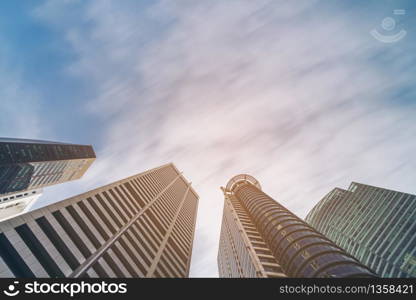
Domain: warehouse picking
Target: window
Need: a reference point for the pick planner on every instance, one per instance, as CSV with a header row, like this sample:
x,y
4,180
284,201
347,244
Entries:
x,y
59,244
272,269
267,259
39,251
12,258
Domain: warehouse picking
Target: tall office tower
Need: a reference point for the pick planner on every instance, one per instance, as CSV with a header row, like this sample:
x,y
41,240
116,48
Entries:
x,y
141,226
261,238
26,166
32,164
376,225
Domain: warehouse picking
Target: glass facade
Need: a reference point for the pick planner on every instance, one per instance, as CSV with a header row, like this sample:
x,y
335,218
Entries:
x,y
296,249
29,164
375,225
24,152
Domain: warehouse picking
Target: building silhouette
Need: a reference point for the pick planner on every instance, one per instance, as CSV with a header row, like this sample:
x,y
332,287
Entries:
x,y
26,166
376,225
261,238
141,226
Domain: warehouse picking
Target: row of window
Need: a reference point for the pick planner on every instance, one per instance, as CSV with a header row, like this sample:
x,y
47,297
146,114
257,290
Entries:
x,y
371,220
241,264
4,199
28,152
251,232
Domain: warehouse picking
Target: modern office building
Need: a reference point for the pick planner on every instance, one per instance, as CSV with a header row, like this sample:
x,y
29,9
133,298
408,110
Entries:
x,y
32,164
26,166
375,225
141,226
261,238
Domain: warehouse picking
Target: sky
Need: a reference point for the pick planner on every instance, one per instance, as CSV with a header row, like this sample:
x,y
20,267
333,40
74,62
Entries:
x,y
299,94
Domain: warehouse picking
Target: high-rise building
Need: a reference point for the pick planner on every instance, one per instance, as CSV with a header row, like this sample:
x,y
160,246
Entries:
x,y
32,164
261,238
141,226
26,166
375,225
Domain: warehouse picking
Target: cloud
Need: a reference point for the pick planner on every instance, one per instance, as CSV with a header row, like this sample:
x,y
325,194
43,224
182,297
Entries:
x,y
299,96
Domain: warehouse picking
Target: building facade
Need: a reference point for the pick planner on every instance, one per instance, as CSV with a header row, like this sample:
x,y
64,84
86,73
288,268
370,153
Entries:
x,y
261,238
26,166
243,252
32,164
14,204
141,226
376,225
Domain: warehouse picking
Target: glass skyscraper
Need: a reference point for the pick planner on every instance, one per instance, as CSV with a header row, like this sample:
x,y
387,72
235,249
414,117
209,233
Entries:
x,y
26,166
141,226
376,225
261,238
32,164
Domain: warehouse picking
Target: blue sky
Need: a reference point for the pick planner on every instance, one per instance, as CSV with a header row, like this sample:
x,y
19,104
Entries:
x,y
298,94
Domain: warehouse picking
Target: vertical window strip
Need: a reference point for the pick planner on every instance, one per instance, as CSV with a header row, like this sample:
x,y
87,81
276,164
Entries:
x,y
123,202
84,227
39,251
109,211
13,259
98,225
140,247
130,248
59,244
115,205
121,192
103,217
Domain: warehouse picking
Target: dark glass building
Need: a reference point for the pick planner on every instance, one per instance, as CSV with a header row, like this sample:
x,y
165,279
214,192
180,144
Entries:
x,y
375,225
261,238
32,164
26,166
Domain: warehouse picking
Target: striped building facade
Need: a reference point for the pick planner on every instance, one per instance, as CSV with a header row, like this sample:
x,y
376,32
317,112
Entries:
x,y
141,226
261,238
243,252
376,225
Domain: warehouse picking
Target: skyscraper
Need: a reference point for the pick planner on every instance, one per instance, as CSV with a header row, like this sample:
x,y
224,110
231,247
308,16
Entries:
x,y
141,226
261,238
376,225
26,166
31,164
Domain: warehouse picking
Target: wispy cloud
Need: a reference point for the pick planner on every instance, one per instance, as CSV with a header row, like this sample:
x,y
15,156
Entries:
x,y
300,96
